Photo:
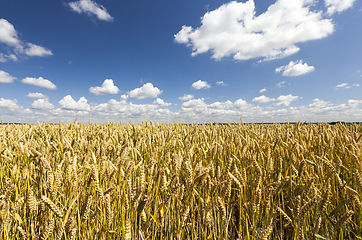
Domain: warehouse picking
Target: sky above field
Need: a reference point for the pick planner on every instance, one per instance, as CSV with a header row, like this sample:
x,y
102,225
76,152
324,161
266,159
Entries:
x,y
180,61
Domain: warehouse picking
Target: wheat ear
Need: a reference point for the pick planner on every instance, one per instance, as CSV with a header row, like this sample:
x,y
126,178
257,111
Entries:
x,y
52,206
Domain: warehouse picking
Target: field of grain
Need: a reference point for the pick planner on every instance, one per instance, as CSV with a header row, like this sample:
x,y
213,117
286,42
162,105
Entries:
x,y
176,181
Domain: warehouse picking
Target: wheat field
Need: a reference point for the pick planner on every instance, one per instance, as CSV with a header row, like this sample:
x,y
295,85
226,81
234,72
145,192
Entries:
x,y
177,181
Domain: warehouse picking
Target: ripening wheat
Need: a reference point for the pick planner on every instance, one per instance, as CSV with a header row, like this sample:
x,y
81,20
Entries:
x,y
176,181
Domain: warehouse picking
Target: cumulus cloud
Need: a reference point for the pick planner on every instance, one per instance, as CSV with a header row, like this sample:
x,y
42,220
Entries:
x,y
320,109
90,7
186,97
353,102
108,87
200,84
283,100
346,86
262,99
13,107
160,102
146,91
241,104
37,95
263,90
197,109
40,82
194,103
6,77
294,69
9,36
221,83
194,110
221,105
42,104
35,50
69,103
318,103
124,109
233,29
199,105
338,5
8,103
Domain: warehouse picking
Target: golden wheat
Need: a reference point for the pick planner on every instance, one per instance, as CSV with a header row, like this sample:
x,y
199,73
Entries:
x,y
177,181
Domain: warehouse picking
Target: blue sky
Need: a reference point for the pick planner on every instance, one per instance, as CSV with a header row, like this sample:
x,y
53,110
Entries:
x,y
180,61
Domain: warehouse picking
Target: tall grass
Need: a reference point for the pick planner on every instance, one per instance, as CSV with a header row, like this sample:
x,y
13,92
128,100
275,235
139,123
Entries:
x,y
175,181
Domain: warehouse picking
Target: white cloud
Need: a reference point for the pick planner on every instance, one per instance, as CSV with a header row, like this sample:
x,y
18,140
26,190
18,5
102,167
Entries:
x,y
338,5
241,104
9,36
186,97
90,7
200,84
6,77
161,103
69,103
221,83
4,57
263,99
146,91
342,85
37,95
280,84
127,110
194,103
42,104
108,87
346,86
221,105
40,82
318,103
263,90
35,50
13,107
234,30
352,102
326,111
194,110
294,69
285,100
12,57
282,100
8,103
198,110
